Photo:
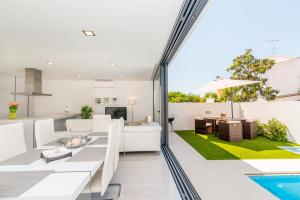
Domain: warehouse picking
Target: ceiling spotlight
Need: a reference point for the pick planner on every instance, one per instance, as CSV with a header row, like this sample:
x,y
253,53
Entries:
x,y
78,76
88,33
50,63
111,64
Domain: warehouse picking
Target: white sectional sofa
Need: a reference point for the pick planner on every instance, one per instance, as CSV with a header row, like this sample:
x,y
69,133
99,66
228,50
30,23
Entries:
x,y
144,137
134,138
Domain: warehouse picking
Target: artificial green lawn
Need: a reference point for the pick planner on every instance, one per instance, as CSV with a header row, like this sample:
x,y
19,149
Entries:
x,y
212,148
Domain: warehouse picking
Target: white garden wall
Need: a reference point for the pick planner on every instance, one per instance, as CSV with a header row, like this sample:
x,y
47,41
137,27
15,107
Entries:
x,y
185,113
286,111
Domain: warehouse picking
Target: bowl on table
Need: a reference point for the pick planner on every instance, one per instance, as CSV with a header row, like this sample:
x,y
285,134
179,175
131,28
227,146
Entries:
x,y
74,141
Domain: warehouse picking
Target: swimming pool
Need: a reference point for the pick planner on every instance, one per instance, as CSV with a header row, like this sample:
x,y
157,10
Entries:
x,y
294,149
286,187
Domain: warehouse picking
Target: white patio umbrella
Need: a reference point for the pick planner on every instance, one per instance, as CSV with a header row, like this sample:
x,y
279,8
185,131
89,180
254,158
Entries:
x,y
221,83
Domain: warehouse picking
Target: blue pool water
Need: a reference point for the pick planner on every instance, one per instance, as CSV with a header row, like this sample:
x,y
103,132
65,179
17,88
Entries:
x,y
286,187
294,149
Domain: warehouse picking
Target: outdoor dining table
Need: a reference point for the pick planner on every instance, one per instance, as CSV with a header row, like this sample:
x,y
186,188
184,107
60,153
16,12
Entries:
x,y
28,177
215,121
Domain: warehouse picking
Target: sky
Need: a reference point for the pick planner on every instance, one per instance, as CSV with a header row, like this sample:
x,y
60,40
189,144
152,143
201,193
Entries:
x,y
226,30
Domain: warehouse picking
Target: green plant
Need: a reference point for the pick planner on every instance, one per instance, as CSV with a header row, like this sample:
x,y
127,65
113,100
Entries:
x,y
276,130
13,107
86,112
261,128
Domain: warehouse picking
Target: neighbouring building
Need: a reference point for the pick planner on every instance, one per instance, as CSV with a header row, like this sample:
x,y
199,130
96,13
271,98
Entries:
x,y
285,77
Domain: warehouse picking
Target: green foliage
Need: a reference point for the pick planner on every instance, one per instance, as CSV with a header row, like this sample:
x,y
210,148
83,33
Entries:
x,y
276,130
247,67
179,97
86,112
273,129
213,95
261,128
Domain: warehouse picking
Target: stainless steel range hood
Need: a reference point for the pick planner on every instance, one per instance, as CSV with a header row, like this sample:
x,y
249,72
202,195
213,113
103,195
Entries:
x,y
33,83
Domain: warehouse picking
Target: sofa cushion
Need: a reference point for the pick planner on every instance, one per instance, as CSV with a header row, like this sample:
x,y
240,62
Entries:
x,y
145,127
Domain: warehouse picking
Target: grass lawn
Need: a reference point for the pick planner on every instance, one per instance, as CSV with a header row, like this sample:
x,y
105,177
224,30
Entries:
x,y
212,148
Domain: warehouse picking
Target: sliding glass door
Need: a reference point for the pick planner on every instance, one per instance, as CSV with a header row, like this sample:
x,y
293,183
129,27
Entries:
x,y
157,98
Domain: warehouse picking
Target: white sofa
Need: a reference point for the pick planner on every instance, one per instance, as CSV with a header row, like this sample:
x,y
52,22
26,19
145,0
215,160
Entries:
x,y
134,138
144,137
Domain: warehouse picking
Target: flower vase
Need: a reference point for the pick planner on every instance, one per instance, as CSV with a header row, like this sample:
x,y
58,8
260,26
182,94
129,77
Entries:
x,y
12,115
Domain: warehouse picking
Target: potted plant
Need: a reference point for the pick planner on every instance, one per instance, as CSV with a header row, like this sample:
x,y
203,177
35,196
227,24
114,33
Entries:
x,y
13,107
86,112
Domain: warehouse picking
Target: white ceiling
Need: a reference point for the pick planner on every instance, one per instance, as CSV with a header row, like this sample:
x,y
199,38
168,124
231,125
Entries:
x,y
131,34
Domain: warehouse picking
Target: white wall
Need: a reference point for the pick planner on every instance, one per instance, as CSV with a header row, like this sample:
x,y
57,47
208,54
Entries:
x,y
185,113
7,85
287,112
285,76
78,93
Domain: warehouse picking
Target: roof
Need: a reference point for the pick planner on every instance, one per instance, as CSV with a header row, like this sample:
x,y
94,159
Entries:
x,y
279,59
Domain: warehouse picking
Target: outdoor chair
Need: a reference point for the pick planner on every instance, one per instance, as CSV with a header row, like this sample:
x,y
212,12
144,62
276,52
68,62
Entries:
x,y
249,129
202,126
231,131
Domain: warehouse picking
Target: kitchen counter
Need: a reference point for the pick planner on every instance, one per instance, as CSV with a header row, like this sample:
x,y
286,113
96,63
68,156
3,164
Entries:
x,y
59,124
52,116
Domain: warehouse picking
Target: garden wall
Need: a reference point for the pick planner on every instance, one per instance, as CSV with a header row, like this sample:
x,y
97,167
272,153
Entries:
x,y
185,113
286,111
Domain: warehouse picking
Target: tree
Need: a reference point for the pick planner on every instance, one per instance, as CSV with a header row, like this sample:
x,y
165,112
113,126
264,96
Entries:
x,y
247,67
212,95
179,97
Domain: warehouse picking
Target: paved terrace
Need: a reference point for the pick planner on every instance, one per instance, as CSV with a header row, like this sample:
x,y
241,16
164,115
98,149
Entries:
x,y
220,179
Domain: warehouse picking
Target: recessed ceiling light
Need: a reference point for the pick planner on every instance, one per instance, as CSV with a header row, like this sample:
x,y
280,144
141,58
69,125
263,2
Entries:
x,y
78,76
111,64
121,76
50,63
88,33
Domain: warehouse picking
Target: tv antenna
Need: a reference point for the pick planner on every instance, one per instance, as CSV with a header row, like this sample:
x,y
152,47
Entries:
x,y
273,42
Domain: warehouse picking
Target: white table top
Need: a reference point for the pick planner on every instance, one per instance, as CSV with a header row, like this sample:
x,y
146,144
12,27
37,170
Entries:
x,y
74,175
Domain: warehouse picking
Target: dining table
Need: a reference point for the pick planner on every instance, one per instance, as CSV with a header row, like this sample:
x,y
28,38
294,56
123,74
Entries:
x,y
216,119
28,177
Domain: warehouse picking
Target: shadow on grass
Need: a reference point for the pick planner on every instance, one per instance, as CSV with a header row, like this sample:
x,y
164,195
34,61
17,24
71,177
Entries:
x,y
258,144
206,148
207,145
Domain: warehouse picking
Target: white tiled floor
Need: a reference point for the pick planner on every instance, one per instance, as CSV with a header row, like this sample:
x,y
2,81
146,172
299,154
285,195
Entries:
x,y
145,176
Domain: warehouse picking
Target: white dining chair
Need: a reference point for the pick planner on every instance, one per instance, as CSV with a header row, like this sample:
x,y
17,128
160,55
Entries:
x,y
103,177
118,140
79,125
12,140
44,132
101,123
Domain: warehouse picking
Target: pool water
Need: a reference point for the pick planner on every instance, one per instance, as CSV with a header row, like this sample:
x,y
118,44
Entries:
x,y
294,149
286,187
